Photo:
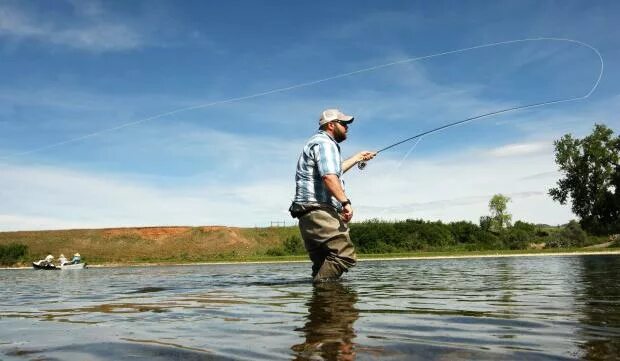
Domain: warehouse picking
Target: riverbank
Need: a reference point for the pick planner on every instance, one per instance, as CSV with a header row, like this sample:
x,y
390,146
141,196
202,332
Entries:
x,y
362,258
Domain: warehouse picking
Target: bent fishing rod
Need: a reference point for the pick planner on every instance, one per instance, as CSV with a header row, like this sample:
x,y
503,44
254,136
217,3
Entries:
x,y
361,165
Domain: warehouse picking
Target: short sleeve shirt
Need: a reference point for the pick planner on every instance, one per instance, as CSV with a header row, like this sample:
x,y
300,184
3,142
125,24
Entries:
x,y
320,157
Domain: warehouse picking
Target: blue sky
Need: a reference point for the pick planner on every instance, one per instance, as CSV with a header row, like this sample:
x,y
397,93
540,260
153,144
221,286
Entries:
x,y
77,75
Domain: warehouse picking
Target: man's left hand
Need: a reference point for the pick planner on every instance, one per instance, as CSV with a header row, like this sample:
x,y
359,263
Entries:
x,y
347,213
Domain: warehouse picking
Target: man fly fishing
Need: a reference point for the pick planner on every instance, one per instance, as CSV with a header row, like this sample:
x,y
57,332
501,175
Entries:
x,y
320,202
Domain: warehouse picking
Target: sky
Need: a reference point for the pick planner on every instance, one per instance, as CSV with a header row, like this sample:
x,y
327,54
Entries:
x,y
164,113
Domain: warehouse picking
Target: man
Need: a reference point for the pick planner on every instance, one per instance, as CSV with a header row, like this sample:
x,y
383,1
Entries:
x,y
321,203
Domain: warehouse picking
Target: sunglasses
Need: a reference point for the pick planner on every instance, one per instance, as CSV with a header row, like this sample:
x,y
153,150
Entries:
x,y
343,123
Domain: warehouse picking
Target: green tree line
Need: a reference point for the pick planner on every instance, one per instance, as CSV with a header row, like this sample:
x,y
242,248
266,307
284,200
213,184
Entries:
x,y
416,235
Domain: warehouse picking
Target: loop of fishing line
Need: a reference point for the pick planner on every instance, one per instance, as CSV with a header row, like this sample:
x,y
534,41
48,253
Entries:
x,y
362,165
343,75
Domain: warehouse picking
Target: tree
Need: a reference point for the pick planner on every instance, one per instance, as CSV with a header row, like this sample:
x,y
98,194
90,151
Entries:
x,y
499,218
591,178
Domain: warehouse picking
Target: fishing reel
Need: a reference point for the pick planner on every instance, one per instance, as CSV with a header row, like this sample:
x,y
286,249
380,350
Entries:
x,y
361,165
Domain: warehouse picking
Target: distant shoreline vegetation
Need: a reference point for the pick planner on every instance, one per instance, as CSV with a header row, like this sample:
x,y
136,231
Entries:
x,y
373,238
419,236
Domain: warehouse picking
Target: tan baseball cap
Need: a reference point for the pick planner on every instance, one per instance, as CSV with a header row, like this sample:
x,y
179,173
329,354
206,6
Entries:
x,y
332,114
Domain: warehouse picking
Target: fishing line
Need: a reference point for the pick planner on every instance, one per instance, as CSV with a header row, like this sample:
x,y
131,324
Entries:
x,y
362,165
340,76
408,153
400,163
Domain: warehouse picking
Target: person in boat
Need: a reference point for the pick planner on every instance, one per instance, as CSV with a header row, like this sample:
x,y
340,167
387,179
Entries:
x,y
320,202
49,260
76,259
62,259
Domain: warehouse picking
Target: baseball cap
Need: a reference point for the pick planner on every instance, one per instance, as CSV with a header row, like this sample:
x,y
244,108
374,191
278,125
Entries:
x,y
332,114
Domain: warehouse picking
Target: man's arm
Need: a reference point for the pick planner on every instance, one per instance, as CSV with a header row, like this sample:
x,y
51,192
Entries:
x,y
361,156
332,182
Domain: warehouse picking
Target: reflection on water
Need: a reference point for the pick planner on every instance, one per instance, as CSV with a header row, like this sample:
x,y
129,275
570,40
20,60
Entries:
x,y
329,331
600,327
530,308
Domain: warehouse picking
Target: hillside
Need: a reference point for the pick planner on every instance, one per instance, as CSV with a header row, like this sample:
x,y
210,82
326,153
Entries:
x,y
151,244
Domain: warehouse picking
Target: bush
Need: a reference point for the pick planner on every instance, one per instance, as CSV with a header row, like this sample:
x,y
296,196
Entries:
x,y
488,240
574,233
571,236
12,253
294,245
275,252
516,238
435,234
529,228
464,232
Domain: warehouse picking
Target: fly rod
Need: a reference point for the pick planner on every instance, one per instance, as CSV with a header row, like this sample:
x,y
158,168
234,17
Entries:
x,y
361,165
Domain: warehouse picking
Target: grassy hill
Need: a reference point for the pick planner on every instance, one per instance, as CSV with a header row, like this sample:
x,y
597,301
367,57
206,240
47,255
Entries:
x,y
151,244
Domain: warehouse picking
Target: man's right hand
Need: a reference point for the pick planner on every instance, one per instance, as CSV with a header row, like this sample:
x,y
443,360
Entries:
x,y
347,213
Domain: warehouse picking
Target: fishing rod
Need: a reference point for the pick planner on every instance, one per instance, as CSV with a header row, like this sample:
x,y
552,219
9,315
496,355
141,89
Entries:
x,y
361,165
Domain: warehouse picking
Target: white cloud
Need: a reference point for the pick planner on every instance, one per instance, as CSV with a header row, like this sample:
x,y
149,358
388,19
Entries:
x,y
56,198
449,188
511,150
89,31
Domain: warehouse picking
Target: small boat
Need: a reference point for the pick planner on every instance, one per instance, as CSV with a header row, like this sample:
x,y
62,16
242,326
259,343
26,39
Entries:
x,y
42,264
73,266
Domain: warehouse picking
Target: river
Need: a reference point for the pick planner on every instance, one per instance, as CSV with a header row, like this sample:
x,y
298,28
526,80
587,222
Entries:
x,y
528,308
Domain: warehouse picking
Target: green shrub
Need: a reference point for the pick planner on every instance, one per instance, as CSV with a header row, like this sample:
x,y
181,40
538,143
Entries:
x,y
294,245
516,238
12,253
464,232
529,228
488,240
275,252
574,234
570,236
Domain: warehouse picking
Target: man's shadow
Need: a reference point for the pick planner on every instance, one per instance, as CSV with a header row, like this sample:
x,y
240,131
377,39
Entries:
x,y
329,328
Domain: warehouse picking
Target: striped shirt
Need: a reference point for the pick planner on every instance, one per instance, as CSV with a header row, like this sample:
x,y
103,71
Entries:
x,y
320,157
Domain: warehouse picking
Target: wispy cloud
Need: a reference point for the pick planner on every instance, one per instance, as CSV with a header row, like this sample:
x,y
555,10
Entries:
x,y
511,150
89,29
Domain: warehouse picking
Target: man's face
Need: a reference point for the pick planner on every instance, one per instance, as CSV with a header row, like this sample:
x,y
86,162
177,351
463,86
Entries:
x,y
340,131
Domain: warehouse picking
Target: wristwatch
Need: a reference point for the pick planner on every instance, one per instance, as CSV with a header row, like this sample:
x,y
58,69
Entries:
x,y
348,201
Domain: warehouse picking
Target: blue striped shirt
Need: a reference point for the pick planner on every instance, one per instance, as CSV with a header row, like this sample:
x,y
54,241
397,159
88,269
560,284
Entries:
x,y
320,157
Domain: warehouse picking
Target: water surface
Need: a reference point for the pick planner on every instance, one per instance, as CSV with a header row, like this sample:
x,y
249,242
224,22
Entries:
x,y
529,308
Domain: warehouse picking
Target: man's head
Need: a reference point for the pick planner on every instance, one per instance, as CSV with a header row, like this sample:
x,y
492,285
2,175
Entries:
x,y
336,123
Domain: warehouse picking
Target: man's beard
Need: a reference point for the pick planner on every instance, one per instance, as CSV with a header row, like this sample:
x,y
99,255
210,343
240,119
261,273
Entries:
x,y
340,136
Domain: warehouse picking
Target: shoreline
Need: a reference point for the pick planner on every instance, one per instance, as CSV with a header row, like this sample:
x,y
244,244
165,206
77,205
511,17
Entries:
x,y
387,258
